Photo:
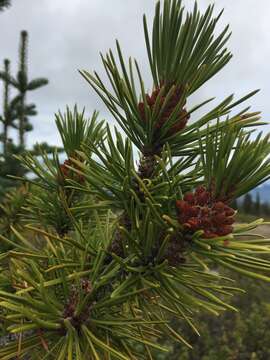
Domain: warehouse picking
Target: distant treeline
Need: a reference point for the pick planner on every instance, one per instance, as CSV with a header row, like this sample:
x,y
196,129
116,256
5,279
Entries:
x,y
252,207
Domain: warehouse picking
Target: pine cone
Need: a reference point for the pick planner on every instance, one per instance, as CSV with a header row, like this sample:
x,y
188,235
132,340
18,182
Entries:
x,y
147,166
68,173
167,111
198,211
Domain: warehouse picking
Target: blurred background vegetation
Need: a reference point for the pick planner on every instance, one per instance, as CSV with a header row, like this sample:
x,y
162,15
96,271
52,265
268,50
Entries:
x,y
232,336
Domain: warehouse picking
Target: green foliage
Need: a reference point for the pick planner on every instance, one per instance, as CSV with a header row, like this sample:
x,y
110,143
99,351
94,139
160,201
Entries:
x,y
11,214
76,130
229,148
111,249
244,335
185,51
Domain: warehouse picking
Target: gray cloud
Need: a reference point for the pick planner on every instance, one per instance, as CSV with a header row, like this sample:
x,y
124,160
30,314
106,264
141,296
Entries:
x,y
68,35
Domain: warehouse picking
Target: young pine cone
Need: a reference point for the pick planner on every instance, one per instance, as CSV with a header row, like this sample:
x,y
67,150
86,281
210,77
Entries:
x,y
168,110
198,211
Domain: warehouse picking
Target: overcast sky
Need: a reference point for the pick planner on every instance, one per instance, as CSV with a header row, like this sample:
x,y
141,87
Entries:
x,y
66,35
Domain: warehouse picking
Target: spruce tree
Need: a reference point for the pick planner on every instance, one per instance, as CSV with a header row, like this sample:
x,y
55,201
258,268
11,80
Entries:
x,y
4,4
16,113
257,205
112,249
23,85
8,164
248,204
9,108
6,120
265,209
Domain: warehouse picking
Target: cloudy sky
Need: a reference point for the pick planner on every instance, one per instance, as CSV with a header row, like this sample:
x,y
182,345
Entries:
x,y
66,35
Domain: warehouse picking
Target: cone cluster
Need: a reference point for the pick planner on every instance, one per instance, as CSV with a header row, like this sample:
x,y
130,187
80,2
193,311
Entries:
x,y
167,111
198,211
68,173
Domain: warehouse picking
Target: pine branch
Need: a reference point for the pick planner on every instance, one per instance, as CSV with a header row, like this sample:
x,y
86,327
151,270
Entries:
x,y
112,248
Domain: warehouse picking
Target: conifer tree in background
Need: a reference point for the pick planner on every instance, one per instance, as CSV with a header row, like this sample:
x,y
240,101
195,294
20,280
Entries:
x,y
8,164
257,205
16,113
6,119
265,209
248,204
110,249
4,4
23,85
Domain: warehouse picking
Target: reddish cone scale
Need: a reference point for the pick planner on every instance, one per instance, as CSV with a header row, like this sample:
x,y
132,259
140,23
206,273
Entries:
x,y
197,211
64,168
167,111
68,173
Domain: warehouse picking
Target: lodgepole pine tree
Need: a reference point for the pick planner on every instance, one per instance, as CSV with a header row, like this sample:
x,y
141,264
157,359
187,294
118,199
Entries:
x,y
111,249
